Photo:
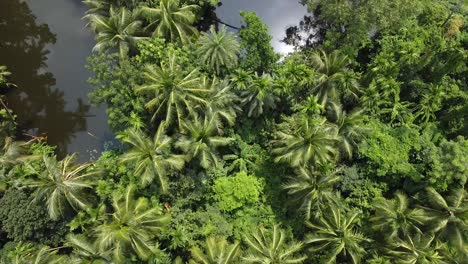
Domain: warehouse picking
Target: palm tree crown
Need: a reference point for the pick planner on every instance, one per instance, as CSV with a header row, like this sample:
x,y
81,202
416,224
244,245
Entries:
x,y
152,157
131,227
217,251
312,189
334,234
63,185
308,140
258,96
269,247
120,30
200,140
173,93
218,50
170,20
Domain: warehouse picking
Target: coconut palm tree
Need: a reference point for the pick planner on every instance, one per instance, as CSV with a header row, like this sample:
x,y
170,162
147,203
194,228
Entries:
x,y
334,234
44,255
173,93
217,251
448,217
200,140
221,102
308,141
62,185
120,30
152,157
417,249
15,152
241,79
395,218
258,96
270,247
131,227
330,69
218,50
350,128
170,20
312,189
86,251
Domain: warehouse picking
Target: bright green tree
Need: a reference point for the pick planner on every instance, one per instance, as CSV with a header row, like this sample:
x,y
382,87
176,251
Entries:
x,y
258,96
417,249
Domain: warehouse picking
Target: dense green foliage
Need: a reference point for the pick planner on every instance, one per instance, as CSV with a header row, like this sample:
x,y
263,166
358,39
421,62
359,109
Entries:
x,y
351,149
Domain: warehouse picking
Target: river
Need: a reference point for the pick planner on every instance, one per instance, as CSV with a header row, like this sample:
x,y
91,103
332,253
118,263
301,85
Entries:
x,y
45,46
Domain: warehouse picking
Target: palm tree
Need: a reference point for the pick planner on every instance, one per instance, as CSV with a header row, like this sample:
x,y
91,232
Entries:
x,y
62,185
217,251
447,217
45,255
309,141
170,20
173,92
270,247
394,217
430,103
119,30
221,102
258,97
334,234
218,50
152,157
419,249
330,69
86,251
350,128
15,152
131,227
312,189
241,79
200,140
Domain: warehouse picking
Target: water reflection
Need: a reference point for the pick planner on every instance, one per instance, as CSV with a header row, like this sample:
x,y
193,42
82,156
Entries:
x,y
38,104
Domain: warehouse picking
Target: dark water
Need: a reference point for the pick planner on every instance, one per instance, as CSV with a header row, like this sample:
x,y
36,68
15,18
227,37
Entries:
x,y
45,46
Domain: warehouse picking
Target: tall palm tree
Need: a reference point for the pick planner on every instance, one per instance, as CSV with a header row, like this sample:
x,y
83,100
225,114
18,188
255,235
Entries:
x,y
218,50
170,20
131,227
173,93
44,255
418,249
350,128
309,141
448,217
221,102
86,251
217,251
312,189
394,217
200,140
241,79
152,158
270,247
331,69
334,234
430,103
62,185
119,30
258,96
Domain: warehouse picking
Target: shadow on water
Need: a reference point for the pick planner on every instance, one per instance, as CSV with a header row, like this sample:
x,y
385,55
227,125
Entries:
x,y
40,106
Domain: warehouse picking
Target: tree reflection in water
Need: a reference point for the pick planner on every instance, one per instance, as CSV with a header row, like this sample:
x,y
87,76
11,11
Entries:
x,y
38,104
